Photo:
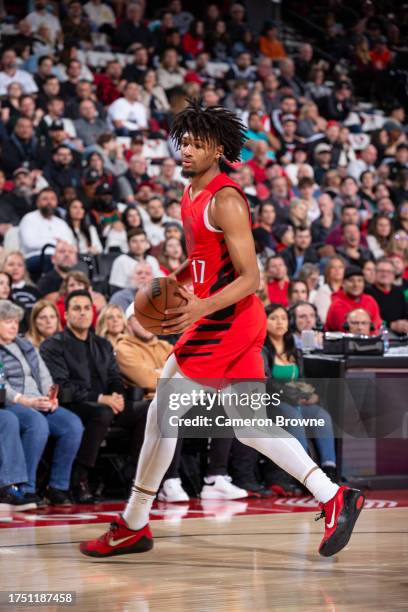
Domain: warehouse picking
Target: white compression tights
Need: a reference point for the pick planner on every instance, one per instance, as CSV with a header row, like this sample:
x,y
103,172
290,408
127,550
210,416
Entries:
x,y
157,452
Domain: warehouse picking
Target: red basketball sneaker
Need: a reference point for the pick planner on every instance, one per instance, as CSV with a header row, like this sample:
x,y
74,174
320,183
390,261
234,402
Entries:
x,y
340,514
119,540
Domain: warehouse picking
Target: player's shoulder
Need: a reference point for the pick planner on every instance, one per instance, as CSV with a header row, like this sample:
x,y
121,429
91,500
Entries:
x,y
229,194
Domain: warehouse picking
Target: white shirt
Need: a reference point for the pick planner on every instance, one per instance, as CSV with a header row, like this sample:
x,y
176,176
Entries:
x,y
37,231
133,114
99,13
37,19
124,266
155,231
21,77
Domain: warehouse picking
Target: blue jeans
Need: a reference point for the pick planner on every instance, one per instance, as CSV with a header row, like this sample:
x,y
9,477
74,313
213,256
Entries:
x,y
323,436
62,425
12,461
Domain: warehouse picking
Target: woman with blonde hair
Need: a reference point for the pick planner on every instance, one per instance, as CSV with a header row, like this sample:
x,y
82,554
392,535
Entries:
x,y
23,290
298,213
333,280
44,322
112,323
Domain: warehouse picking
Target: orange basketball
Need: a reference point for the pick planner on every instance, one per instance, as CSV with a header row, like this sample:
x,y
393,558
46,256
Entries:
x,y
152,300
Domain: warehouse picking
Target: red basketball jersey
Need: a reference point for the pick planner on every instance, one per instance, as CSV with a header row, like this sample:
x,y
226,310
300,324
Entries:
x,y
212,345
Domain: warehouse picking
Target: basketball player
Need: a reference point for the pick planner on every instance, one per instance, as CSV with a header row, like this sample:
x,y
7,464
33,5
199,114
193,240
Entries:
x,y
224,328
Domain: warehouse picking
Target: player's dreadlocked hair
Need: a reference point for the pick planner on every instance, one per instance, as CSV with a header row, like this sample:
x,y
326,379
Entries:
x,y
215,124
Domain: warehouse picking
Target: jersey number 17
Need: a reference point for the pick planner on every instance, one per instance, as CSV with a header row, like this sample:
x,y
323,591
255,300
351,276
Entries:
x,y
198,266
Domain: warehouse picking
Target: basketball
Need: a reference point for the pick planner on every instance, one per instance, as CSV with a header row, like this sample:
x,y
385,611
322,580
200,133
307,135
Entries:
x,y
151,302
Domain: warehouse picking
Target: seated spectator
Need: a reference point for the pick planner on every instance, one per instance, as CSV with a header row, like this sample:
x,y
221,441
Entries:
x,y
298,291
29,387
141,275
260,160
369,273
390,299
358,322
172,256
78,281
304,317
337,105
44,322
265,224
281,196
108,83
62,170
128,115
86,235
399,244
348,194
352,250
283,363
56,120
348,214
323,161
10,73
379,234
42,227
112,324
23,290
300,252
310,274
155,220
269,43
333,281
64,259
111,152
84,366
277,279
132,30
89,126
13,468
367,160
135,175
22,148
19,201
285,237
84,91
350,297
324,224
306,188
298,213
124,265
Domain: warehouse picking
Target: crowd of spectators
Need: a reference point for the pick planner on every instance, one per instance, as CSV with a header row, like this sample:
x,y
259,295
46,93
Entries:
x,y
90,190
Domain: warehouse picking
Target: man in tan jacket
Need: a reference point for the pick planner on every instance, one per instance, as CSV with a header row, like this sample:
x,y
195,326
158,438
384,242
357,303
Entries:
x,y
141,357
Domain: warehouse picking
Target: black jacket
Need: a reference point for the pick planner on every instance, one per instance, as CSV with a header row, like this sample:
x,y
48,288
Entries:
x,y
310,256
67,360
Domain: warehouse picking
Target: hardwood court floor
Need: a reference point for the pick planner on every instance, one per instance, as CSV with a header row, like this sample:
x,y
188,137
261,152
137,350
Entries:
x,y
249,563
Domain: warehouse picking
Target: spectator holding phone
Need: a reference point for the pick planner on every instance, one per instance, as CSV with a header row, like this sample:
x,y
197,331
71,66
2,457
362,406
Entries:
x,y
31,396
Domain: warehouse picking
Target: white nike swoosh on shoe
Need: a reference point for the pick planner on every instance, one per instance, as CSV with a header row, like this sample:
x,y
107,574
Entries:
x,y
112,542
330,525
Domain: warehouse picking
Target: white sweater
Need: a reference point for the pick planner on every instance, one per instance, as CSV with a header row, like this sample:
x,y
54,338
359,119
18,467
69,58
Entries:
x,y
36,231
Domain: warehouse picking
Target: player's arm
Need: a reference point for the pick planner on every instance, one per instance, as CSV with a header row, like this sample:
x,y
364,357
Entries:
x,y
182,275
229,213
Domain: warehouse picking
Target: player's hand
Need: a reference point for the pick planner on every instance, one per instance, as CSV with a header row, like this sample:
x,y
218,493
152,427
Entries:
x,y
183,316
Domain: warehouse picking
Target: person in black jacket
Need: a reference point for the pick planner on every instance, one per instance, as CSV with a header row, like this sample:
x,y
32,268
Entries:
x,y
22,148
300,252
84,367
